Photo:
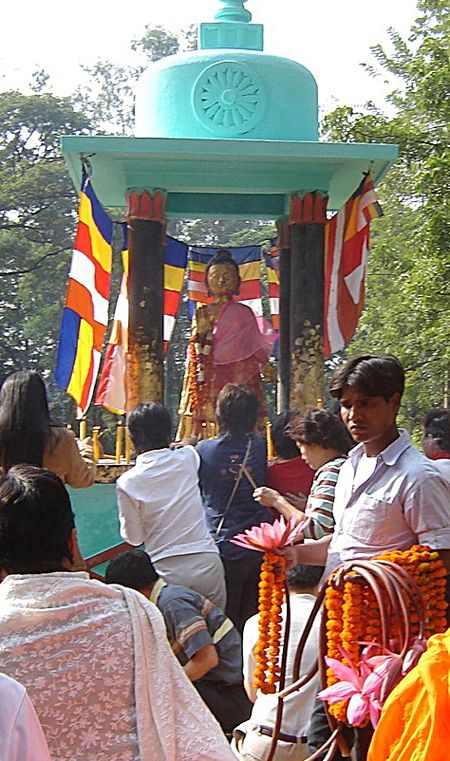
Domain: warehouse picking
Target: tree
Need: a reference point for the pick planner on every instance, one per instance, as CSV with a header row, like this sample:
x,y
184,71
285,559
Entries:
x,y
107,97
408,289
37,216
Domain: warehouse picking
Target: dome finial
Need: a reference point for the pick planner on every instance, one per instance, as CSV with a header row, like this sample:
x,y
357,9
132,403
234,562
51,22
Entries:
x,y
233,10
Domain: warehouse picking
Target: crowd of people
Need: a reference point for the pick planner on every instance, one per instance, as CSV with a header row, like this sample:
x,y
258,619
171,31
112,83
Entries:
x,y
158,662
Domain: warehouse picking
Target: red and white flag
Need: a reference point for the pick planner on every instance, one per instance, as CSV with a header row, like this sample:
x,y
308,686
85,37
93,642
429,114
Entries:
x,y
346,254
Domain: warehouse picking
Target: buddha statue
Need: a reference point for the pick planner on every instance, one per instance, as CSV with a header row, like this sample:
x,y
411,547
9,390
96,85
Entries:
x,y
226,346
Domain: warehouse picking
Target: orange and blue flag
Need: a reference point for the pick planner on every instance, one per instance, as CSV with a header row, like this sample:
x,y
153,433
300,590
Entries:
x,y
85,314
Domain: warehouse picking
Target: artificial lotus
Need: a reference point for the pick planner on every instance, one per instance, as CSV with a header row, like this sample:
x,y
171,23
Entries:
x,y
367,685
271,536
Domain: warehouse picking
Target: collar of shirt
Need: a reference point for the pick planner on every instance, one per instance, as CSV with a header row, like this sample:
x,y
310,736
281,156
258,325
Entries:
x,y
389,455
156,591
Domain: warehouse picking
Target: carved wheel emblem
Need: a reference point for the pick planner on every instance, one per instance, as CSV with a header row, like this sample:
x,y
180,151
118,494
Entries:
x,y
229,98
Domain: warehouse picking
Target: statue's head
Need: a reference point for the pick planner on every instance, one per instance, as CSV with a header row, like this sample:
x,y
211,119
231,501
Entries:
x,y
222,274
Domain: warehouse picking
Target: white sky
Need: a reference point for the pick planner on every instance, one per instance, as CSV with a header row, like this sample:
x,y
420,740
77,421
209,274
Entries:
x,y
330,38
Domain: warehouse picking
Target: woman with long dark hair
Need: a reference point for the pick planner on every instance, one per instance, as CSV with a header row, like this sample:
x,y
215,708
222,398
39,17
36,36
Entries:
x,y
28,435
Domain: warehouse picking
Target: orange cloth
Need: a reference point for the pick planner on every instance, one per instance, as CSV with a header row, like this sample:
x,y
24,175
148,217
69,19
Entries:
x,y
415,721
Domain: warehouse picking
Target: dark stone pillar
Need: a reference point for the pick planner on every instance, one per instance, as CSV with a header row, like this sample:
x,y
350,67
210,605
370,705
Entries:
x,y
145,293
307,218
284,362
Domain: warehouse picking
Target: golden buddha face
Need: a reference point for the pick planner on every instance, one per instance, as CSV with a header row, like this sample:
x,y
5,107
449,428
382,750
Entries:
x,y
222,280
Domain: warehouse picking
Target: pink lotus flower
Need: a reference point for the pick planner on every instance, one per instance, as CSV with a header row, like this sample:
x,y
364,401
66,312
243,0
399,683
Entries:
x,y
270,536
365,687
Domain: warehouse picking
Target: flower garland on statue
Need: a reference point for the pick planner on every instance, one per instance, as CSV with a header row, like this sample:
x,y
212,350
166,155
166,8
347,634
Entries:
x,y
268,538
378,615
199,368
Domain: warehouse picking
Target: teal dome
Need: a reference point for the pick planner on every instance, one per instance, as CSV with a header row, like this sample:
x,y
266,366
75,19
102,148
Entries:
x,y
227,93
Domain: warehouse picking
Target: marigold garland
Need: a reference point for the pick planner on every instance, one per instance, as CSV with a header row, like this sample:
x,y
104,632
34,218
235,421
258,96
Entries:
x,y
353,615
272,587
200,359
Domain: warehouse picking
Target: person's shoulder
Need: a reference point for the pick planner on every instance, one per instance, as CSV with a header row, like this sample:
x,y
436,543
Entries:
x,y
59,436
419,471
126,477
175,598
207,445
412,460
181,593
333,466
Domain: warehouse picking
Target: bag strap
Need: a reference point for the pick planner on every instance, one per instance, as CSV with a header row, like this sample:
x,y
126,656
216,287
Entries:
x,y
237,480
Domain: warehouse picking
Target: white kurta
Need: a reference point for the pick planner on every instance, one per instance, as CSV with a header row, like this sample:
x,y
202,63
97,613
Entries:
x,y
103,680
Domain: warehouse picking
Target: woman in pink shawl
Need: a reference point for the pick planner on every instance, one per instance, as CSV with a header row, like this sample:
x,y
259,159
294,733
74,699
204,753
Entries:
x,y
226,346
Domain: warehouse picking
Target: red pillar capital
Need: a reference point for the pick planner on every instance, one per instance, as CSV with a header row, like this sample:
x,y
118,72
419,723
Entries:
x,y
146,204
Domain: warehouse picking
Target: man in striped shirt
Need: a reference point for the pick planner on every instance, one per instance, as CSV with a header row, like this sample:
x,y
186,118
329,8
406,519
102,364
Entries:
x,y
203,639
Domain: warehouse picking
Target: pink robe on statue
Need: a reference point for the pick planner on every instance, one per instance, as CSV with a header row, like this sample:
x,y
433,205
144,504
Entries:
x,y
239,348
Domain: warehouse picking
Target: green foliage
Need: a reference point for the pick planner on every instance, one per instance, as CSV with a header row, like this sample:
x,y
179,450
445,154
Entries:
x,y
408,288
37,202
107,96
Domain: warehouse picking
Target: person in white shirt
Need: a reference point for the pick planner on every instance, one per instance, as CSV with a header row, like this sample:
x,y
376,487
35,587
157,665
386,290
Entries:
x,y
160,506
21,735
253,738
436,440
388,495
94,658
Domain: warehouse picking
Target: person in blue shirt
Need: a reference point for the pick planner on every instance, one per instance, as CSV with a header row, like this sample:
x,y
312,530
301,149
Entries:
x,y
232,466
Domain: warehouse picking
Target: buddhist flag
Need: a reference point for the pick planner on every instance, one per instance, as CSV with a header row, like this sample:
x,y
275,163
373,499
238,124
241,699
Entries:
x,y
346,254
273,281
111,392
248,259
85,314
175,260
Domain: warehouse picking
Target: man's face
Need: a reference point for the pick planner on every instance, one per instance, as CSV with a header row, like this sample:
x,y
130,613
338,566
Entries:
x,y
369,419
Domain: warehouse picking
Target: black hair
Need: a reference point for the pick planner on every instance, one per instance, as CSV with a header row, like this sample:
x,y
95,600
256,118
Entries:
x,y
317,426
304,577
36,520
236,409
150,426
436,424
374,376
24,419
283,444
132,569
222,256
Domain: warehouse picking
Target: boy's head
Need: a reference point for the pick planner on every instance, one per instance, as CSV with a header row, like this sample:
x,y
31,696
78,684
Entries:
x,y
150,427
36,521
132,569
369,390
236,409
304,578
436,428
373,375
